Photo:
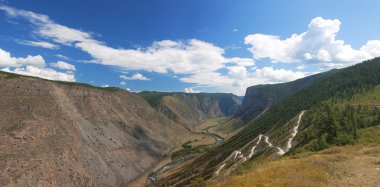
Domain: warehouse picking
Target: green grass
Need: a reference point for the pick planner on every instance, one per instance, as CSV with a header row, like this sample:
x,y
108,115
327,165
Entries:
x,y
370,135
189,151
363,98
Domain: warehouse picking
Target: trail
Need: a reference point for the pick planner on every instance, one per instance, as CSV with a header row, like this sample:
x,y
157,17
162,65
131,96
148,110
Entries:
x,y
239,155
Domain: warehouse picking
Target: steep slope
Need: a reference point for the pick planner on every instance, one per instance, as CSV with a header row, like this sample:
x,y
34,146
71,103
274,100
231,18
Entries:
x,y
350,165
190,109
260,98
66,134
342,83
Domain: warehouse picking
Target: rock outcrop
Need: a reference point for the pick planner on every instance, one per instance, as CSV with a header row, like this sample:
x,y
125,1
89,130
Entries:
x,y
64,134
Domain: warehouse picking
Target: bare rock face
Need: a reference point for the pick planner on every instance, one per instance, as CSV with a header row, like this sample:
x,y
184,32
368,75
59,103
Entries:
x,y
191,109
68,135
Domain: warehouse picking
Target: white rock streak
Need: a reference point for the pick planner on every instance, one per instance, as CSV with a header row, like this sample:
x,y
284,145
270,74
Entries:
x,y
254,147
239,155
280,151
294,133
220,168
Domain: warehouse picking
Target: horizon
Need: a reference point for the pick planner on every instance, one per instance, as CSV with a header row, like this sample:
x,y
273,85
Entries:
x,y
191,47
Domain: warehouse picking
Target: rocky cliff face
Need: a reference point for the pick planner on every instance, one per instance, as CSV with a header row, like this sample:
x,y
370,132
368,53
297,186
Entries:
x,y
54,134
261,97
191,109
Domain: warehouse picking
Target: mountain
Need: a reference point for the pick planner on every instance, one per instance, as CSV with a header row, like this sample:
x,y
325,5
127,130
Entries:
x,y
190,109
307,119
261,97
258,99
68,134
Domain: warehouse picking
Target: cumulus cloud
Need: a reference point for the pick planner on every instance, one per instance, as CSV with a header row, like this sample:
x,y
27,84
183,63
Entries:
x,y
316,45
38,44
63,65
136,76
181,57
31,66
6,60
238,79
45,73
198,62
191,90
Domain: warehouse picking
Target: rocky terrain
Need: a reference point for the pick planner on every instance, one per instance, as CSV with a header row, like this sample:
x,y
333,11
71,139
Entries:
x,y
190,109
65,134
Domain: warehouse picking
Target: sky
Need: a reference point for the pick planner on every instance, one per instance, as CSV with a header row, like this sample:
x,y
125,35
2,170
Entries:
x,y
185,45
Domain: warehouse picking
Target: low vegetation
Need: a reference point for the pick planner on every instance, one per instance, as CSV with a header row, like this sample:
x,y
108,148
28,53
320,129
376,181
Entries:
x,y
188,151
332,128
356,165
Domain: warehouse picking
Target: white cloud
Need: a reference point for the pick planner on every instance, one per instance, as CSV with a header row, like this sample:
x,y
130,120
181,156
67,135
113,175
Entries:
x,y
45,73
235,30
31,66
122,83
237,72
62,57
38,44
105,86
238,78
6,60
200,62
191,90
136,76
270,75
242,61
63,65
181,57
317,45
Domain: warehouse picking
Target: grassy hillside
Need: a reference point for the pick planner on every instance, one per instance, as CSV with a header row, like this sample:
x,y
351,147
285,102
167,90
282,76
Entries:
x,y
339,84
356,165
261,97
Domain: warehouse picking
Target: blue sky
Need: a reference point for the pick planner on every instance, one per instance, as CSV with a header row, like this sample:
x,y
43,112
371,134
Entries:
x,y
177,45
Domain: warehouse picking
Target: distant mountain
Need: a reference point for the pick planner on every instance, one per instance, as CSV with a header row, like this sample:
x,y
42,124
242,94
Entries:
x,y
69,134
309,118
190,109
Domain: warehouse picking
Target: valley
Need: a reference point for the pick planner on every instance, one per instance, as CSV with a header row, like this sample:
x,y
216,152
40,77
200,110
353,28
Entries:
x,y
198,138
321,130
328,111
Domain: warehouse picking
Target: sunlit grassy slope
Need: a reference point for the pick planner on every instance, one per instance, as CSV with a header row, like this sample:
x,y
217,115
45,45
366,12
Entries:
x,y
351,165
354,165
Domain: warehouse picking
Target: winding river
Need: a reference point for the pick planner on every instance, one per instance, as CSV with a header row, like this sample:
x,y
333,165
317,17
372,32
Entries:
x,y
153,177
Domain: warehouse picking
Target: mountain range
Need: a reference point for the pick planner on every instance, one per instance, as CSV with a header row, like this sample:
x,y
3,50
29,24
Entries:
x,y
70,134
